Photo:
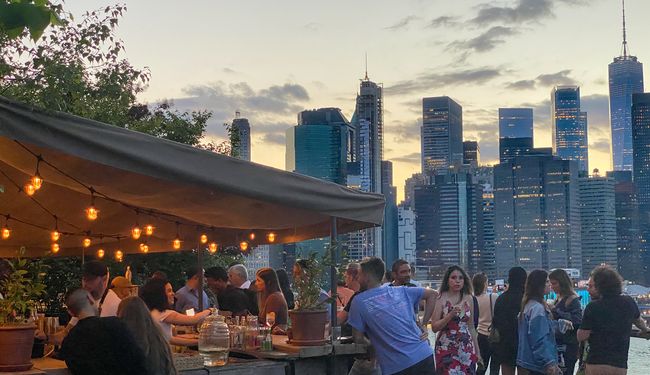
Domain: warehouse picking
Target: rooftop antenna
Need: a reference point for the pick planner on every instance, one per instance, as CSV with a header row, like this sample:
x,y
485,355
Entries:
x,y
237,114
624,33
367,65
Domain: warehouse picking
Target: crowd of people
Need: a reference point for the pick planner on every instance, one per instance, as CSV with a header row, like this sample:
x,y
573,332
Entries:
x,y
124,329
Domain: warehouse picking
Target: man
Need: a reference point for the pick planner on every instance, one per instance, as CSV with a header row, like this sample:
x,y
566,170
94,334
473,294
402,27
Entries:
x,y
238,276
123,287
352,276
229,297
187,297
99,345
386,316
401,273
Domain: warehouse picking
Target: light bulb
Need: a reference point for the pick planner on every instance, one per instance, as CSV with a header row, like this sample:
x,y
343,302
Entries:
x,y
37,181
204,238
100,253
144,248
86,242
136,232
212,248
6,233
176,244
119,255
55,235
251,236
30,189
271,237
92,213
55,248
243,245
148,230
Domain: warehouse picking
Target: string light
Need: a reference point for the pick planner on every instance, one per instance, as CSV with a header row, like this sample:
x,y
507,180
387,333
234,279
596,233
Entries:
x,y
100,253
92,212
212,248
119,255
271,237
148,230
204,238
29,189
176,244
136,232
55,248
6,232
243,245
251,236
87,242
37,180
144,248
55,235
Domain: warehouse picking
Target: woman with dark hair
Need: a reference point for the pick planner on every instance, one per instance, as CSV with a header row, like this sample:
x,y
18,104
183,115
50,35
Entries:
x,y
567,306
503,335
158,294
135,314
285,286
607,324
537,351
457,348
271,299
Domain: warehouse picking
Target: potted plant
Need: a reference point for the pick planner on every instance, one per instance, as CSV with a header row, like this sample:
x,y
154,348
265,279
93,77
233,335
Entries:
x,y
21,288
309,317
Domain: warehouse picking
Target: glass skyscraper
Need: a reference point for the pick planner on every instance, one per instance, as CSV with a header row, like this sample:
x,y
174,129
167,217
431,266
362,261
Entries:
x,y
641,164
515,133
441,134
243,129
569,126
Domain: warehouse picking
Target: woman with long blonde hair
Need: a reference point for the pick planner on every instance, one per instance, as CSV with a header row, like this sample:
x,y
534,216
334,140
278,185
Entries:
x,y
135,314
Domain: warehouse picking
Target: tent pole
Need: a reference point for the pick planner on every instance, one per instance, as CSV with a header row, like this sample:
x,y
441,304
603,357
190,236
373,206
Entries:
x,y
199,261
333,287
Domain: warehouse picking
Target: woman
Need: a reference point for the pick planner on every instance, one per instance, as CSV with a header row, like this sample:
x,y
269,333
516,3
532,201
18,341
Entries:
x,y
457,350
159,296
537,351
504,321
486,311
135,314
283,278
271,299
567,306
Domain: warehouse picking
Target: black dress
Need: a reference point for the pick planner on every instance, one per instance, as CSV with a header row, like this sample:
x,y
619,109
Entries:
x,y
506,310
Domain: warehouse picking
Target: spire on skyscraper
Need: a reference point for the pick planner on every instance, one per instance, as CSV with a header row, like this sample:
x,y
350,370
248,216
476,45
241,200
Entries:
x,y
624,33
366,77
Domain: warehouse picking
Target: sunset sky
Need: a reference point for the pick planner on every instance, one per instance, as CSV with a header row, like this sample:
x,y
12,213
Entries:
x,y
272,59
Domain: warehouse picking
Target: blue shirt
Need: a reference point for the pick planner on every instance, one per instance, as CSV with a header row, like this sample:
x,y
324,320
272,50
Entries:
x,y
187,298
385,315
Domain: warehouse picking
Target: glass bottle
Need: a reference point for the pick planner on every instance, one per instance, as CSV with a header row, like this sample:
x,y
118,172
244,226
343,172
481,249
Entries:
x,y
214,341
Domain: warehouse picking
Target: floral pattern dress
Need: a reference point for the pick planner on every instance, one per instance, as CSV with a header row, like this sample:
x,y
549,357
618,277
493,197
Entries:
x,y
455,352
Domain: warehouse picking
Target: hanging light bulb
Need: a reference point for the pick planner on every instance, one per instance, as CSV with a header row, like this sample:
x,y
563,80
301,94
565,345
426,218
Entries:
x,y
55,248
119,255
6,233
144,248
87,242
55,235
136,232
251,236
29,189
141,246
37,181
100,253
204,238
176,244
243,245
212,248
92,212
148,230
271,237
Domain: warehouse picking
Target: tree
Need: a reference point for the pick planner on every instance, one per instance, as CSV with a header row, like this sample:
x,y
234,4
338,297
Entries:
x,y
33,15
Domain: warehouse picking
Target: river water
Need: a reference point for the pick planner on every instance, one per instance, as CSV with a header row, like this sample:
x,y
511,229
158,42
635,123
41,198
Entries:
x,y
638,362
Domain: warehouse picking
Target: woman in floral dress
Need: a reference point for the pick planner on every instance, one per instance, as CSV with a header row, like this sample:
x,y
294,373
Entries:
x,y
453,318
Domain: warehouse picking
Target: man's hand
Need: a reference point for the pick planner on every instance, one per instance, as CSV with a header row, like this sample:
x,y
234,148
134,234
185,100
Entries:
x,y
425,332
553,369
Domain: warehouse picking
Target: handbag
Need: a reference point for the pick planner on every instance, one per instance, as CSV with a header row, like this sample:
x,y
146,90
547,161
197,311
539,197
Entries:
x,y
494,337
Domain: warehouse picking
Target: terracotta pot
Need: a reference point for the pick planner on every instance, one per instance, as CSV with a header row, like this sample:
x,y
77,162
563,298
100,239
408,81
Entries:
x,y
16,343
308,327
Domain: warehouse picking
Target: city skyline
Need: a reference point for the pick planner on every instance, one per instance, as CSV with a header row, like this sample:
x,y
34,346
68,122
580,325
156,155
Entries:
x,y
479,58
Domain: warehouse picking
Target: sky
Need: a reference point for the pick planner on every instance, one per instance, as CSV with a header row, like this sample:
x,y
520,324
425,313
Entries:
x,y
272,59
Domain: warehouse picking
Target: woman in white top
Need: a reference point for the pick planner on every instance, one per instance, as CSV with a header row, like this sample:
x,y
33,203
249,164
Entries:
x,y
485,310
159,296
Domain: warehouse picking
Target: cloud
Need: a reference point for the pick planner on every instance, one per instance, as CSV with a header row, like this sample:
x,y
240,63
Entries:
x,y
600,145
444,21
561,78
426,81
413,158
486,41
524,11
405,132
526,84
274,138
597,108
229,71
313,26
403,23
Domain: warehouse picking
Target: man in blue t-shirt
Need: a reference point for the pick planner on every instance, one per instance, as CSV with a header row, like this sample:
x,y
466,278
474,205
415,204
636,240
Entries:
x,y
386,316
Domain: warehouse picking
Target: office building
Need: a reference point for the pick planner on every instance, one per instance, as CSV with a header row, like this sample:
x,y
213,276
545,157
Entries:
x,y
487,255
406,234
471,153
441,134
598,221
242,146
515,132
390,246
641,167
569,126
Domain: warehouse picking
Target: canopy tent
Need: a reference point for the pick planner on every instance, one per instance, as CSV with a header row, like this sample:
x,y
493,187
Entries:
x,y
137,179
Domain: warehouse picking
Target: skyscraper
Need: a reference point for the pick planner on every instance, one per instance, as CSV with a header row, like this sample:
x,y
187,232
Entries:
x,y
641,165
569,126
625,79
471,153
241,127
441,134
537,214
390,234
598,222
406,233
317,146
487,256
515,132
